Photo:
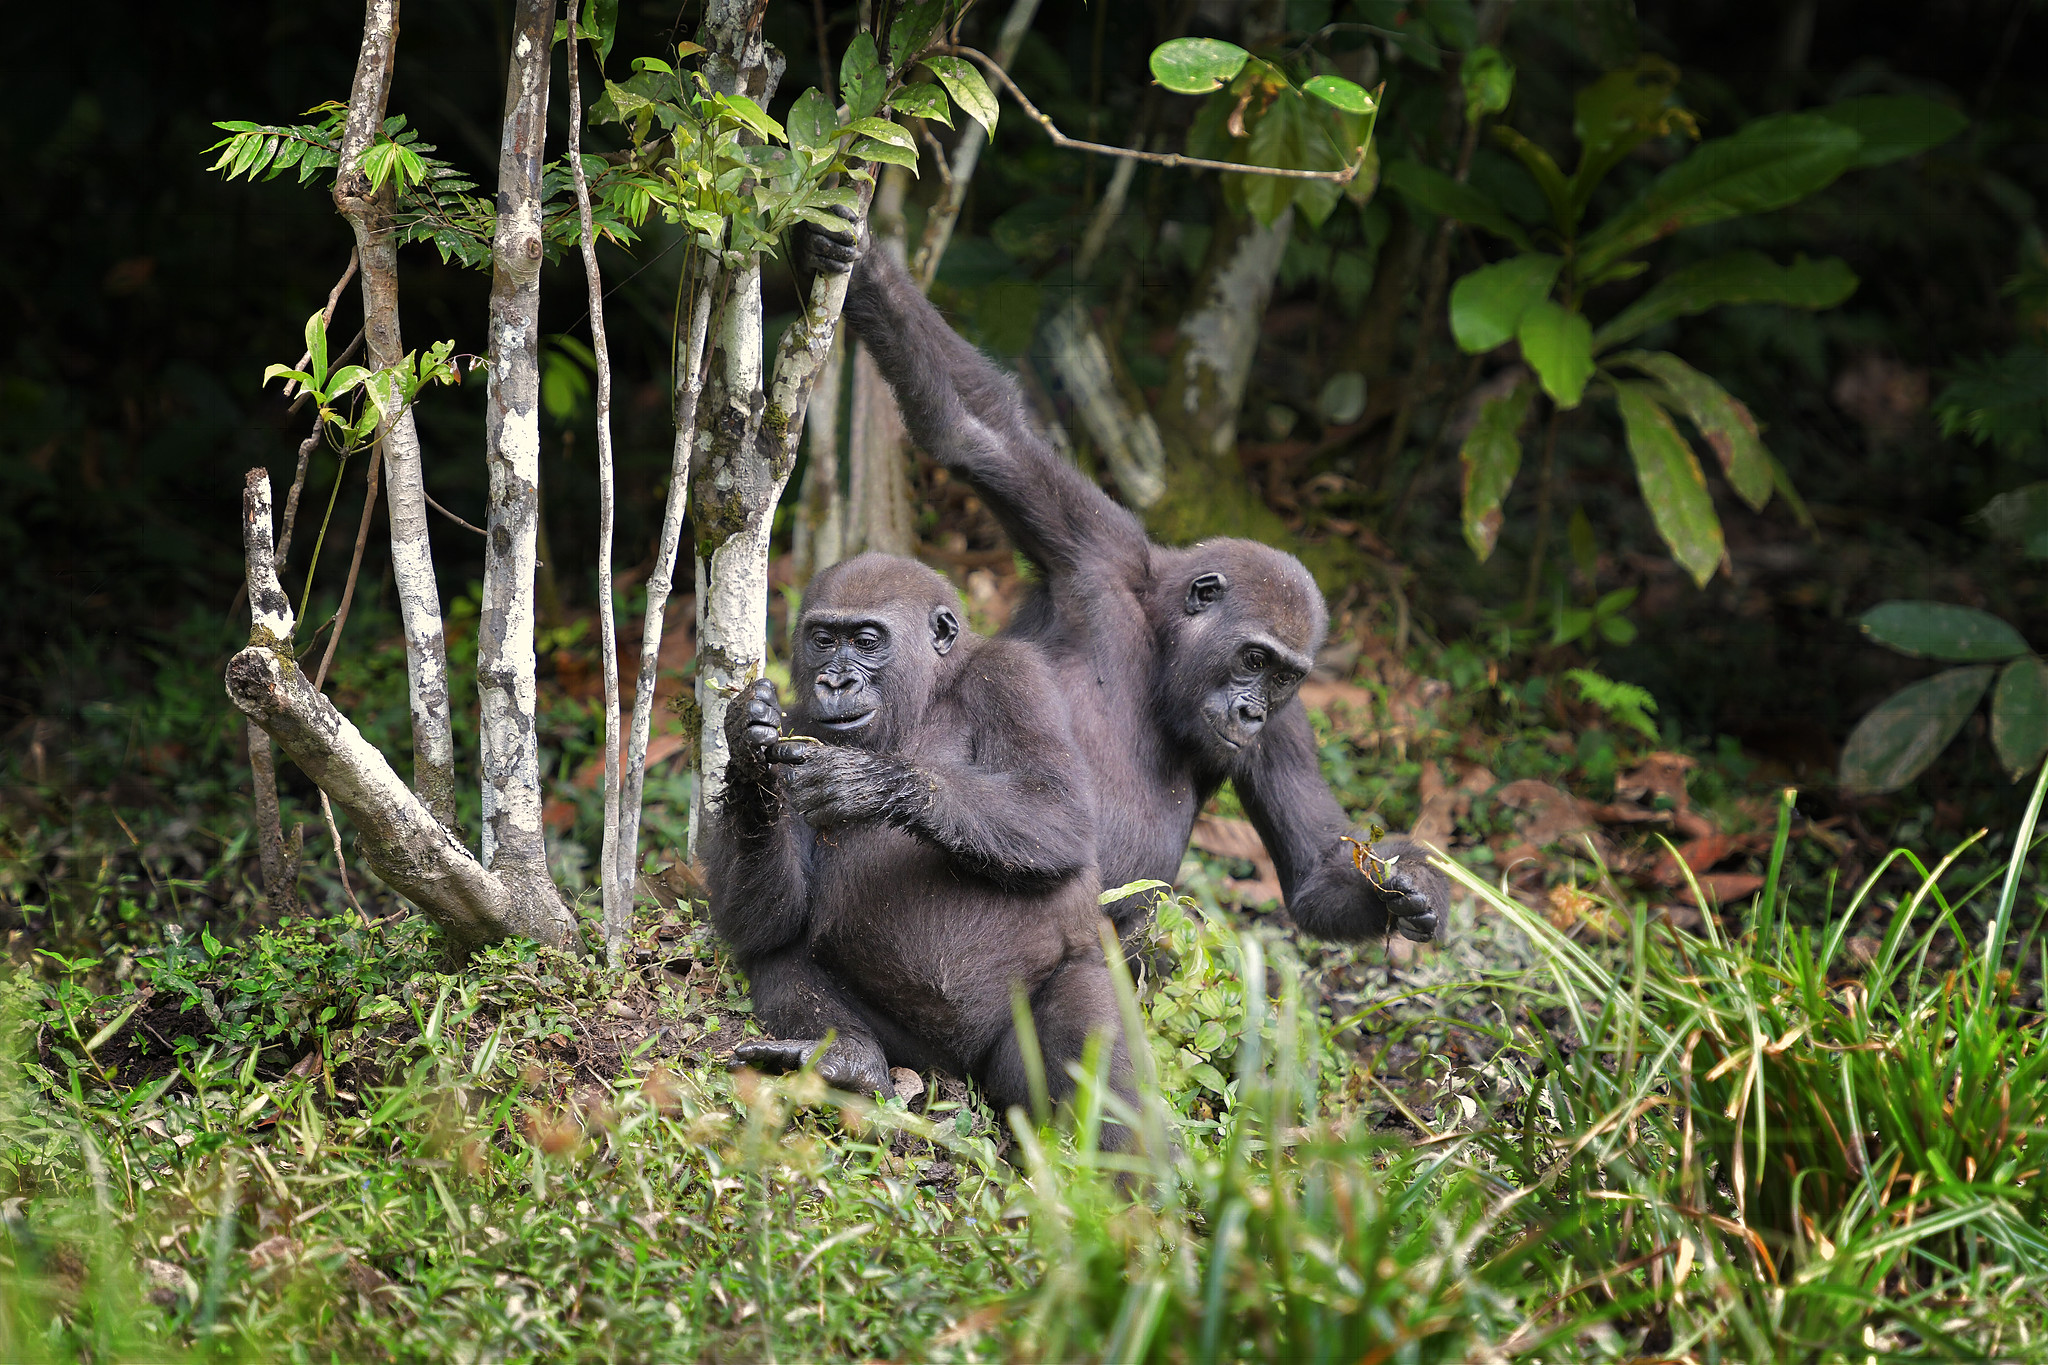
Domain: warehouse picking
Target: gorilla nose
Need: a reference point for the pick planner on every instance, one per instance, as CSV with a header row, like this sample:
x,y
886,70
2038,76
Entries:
x,y
1250,715
832,684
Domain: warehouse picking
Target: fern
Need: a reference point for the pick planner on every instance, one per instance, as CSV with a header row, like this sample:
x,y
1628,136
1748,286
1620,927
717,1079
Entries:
x,y
1623,702
1999,400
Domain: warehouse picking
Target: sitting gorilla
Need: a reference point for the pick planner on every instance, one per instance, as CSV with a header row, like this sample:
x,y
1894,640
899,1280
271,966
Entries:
x,y
1180,665
891,885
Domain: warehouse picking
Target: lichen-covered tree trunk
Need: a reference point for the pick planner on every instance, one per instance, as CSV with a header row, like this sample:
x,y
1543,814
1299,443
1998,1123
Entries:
x,y
1206,492
514,844
412,560
818,539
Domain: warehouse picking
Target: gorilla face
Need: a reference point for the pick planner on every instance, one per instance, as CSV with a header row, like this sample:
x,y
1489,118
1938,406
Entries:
x,y
1251,682
870,640
1244,636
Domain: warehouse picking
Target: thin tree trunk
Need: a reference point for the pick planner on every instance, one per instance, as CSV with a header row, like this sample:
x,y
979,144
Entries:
x,y
877,447
412,560
395,832
617,890
819,537
280,862
514,844
689,384
938,224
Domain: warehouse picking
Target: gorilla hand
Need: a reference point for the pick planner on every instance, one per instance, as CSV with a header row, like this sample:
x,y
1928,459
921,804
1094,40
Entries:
x,y
831,786
851,1064
752,723
818,250
1415,895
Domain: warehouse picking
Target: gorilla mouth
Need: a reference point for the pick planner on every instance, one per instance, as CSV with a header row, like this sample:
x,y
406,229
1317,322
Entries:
x,y
848,724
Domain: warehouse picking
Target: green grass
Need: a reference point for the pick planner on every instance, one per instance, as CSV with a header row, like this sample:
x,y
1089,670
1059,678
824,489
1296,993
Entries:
x,y
1718,1147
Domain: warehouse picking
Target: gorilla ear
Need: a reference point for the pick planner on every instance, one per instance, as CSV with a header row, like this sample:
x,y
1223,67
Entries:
x,y
1203,592
945,630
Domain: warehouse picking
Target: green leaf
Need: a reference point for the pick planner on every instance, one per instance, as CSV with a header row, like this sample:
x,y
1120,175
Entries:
x,y
1346,95
1543,170
316,346
1942,630
1769,163
345,379
1489,81
964,83
1672,484
1895,126
912,32
1740,277
873,149
1558,344
882,131
1896,741
812,120
2002,400
751,114
1195,66
1722,418
1487,306
923,100
1432,190
1289,135
2019,716
299,377
860,76
1618,113
1491,456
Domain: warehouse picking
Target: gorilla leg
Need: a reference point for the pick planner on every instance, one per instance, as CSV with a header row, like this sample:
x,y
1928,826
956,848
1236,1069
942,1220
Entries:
x,y
1072,1005
798,1003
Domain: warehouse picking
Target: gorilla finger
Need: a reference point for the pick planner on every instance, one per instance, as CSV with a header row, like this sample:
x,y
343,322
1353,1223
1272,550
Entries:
x,y
774,1054
1418,928
795,752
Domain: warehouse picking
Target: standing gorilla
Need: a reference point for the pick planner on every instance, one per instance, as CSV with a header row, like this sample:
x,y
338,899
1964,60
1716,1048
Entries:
x,y
891,885
1180,665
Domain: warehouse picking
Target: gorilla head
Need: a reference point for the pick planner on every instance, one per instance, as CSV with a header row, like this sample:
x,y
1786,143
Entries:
x,y
1239,626
872,640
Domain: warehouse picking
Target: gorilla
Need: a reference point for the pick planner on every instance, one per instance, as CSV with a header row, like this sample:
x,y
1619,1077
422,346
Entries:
x,y
1180,666
891,885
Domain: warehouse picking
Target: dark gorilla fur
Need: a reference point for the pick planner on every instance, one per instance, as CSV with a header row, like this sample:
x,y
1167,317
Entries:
x,y
1181,665
891,885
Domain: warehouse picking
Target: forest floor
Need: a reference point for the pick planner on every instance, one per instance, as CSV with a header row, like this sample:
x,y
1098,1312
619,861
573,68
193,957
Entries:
x,y
1690,1077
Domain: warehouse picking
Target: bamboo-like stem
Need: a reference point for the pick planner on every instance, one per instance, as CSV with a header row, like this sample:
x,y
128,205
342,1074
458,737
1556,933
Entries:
x,y
412,561
617,889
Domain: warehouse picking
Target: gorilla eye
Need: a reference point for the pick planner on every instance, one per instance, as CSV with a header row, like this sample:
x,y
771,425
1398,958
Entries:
x,y
821,641
1255,659
867,639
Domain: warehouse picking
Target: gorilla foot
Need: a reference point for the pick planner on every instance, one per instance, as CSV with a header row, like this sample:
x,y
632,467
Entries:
x,y
842,1065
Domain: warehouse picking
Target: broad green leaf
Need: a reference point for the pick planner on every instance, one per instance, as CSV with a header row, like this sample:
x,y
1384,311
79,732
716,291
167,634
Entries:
x,y
872,149
913,31
299,377
861,81
882,131
1894,126
2020,517
1290,135
923,100
1195,66
1487,305
1489,81
1672,484
1346,95
345,379
1558,344
316,346
2019,715
1722,418
1618,113
1904,733
1769,163
1739,277
1543,170
1491,455
812,120
1942,630
751,114
964,83
1436,192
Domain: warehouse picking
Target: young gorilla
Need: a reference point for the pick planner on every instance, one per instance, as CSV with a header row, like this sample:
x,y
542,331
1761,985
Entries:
x,y
891,885
1182,664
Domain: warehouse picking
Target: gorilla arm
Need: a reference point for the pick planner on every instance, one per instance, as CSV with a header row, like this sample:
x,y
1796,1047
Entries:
x,y
754,845
1009,811
970,416
1281,788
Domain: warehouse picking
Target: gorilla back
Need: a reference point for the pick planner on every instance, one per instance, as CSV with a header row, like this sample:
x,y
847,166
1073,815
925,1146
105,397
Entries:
x,y
924,847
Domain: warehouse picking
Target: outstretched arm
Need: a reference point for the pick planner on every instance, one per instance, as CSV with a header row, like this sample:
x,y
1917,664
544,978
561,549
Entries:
x,y
971,417
754,849
1011,811
1281,788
